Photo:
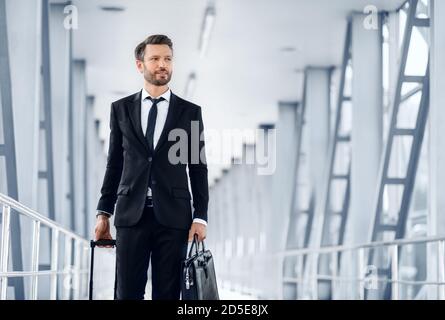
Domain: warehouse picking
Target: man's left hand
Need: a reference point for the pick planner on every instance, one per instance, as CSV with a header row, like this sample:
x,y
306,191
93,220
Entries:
x,y
199,229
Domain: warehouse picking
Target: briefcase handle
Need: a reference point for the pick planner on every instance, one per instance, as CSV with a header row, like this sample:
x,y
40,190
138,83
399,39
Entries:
x,y
195,244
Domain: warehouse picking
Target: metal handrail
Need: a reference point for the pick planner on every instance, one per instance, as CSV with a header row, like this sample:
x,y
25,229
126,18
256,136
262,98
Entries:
x,y
358,262
393,245
371,245
78,270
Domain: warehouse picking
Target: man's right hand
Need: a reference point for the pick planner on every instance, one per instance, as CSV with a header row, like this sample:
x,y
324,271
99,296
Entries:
x,y
102,230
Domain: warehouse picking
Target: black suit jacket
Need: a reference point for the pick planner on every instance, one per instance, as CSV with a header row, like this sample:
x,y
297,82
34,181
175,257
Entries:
x,y
130,163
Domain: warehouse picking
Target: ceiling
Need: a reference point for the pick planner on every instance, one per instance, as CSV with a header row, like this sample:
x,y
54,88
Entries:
x,y
245,71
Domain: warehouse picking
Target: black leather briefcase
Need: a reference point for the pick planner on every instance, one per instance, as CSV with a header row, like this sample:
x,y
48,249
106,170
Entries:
x,y
198,274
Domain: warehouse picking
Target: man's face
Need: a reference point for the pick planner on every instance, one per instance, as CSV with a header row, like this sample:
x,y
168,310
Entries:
x,y
157,64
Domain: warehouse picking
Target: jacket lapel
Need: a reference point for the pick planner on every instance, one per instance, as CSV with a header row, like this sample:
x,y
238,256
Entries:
x,y
175,109
134,110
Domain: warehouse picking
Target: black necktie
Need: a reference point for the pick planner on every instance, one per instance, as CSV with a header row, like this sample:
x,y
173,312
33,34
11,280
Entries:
x,y
152,121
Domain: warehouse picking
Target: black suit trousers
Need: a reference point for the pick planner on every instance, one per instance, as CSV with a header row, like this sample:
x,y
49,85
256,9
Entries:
x,y
145,241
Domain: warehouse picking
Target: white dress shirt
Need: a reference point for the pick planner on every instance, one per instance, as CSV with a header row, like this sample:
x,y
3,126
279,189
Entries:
x,y
160,118
160,122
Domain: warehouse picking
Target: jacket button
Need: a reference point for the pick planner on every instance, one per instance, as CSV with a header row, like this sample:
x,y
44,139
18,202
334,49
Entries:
x,y
150,159
153,182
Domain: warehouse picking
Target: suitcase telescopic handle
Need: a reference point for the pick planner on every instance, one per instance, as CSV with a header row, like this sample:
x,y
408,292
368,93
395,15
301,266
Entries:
x,y
93,244
103,242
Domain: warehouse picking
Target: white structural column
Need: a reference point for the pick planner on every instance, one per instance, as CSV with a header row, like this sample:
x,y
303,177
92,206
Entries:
x,y
60,53
230,224
24,40
263,202
236,196
60,48
90,166
318,116
248,214
79,126
99,157
217,227
101,160
318,130
367,119
436,218
283,179
281,191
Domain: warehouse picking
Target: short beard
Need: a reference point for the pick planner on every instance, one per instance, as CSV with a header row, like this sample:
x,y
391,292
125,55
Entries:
x,y
151,78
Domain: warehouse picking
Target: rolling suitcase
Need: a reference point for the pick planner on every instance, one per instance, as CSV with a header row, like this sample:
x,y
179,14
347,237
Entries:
x,y
93,244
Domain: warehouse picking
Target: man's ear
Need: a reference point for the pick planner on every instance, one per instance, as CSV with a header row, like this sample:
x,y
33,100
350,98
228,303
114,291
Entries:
x,y
139,66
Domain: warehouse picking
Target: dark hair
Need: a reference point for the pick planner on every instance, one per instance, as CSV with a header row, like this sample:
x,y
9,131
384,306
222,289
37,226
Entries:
x,y
153,39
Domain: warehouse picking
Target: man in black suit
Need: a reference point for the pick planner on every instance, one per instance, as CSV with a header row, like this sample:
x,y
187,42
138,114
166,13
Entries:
x,y
145,187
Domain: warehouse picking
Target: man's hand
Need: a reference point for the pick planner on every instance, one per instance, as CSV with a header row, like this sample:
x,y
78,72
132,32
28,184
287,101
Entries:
x,y
102,230
199,229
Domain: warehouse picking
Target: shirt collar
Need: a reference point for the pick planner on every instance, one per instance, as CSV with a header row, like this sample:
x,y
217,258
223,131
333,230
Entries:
x,y
166,95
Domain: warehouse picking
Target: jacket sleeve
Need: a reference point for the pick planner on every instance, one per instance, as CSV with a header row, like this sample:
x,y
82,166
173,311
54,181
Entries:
x,y
197,166
114,166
